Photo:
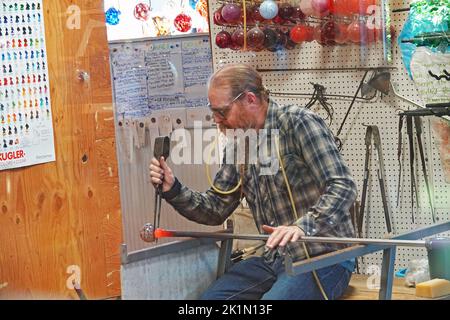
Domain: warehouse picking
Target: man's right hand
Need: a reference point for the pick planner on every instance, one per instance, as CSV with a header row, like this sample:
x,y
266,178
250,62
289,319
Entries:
x,y
160,173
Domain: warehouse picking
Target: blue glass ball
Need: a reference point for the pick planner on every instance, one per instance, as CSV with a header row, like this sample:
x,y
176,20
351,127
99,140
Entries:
x,y
268,9
112,16
193,3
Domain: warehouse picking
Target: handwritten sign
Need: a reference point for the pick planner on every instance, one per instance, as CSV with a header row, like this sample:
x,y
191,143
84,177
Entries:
x,y
160,74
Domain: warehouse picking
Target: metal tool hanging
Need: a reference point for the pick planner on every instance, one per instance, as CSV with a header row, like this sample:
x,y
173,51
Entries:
x,y
373,133
410,131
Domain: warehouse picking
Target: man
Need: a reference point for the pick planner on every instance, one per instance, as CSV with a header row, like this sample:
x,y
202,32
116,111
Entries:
x,y
320,184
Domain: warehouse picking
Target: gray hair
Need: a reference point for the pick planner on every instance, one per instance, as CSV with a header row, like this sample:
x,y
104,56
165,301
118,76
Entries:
x,y
239,78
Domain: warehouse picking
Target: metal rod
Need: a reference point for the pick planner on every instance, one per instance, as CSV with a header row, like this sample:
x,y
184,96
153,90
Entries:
x,y
328,69
264,237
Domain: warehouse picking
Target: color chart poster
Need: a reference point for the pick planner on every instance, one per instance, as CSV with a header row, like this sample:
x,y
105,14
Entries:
x,y
26,122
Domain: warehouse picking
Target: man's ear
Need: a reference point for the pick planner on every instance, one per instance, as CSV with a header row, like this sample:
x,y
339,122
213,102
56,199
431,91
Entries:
x,y
251,98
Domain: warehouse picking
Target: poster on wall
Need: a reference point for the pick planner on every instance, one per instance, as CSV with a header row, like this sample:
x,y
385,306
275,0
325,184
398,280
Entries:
x,y
135,19
160,74
25,108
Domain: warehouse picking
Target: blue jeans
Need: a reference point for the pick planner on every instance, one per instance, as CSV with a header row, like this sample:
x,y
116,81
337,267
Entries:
x,y
256,278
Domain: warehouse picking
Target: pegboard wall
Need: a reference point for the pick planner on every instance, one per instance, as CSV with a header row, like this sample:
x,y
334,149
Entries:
x,y
381,111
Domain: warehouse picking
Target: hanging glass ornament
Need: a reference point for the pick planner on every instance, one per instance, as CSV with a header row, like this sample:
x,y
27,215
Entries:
x,y
342,36
298,14
278,20
193,4
255,39
359,6
142,11
330,30
301,33
231,12
183,22
290,45
249,15
321,7
256,14
202,8
217,17
285,11
281,41
112,16
306,7
357,31
339,7
270,38
268,9
223,39
237,39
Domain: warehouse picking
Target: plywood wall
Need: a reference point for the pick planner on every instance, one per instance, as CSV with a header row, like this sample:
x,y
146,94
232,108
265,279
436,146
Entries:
x,y
58,217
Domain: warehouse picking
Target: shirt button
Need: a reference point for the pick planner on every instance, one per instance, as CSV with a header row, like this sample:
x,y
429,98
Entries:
x,y
313,230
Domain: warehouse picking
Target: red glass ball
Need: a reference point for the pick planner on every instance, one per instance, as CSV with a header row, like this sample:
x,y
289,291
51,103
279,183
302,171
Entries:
x,y
285,11
298,14
217,17
299,33
339,7
183,22
223,39
256,14
330,30
237,39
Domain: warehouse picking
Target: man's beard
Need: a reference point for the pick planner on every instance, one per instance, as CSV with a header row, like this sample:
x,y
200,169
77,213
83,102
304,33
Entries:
x,y
244,121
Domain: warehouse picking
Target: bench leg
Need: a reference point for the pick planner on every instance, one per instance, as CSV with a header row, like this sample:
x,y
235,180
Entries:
x,y
387,274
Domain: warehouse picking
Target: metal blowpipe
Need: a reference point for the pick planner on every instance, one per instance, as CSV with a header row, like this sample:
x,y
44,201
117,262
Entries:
x,y
162,233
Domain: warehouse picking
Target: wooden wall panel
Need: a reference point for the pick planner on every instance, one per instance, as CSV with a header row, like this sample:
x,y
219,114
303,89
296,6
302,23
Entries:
x,y
67,213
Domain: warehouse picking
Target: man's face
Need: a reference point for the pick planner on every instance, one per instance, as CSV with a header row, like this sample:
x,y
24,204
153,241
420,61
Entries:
x,y
229,114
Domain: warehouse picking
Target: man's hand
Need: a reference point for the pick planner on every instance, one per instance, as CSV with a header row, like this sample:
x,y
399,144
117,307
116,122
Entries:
x,y
281,235
160,173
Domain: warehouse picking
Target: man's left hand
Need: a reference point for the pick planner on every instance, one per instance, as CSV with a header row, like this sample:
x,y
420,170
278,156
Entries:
x,y
281,235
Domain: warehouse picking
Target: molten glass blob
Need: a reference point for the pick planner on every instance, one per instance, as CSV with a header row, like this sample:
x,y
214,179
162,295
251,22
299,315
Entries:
x,y
161,233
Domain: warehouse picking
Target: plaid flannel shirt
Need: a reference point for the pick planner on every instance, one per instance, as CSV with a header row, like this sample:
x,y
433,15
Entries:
x,y
322,186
